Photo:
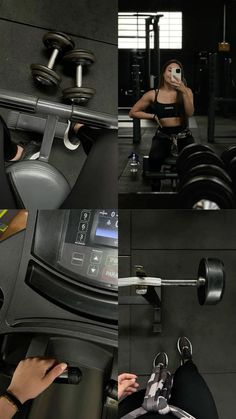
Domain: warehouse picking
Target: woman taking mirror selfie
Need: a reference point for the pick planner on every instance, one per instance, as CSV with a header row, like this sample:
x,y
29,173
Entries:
x,y
171,105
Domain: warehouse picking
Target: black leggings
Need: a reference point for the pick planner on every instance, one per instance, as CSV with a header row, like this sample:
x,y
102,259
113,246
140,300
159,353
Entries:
x,y
96,183
190,393
161,147
6,197
10,148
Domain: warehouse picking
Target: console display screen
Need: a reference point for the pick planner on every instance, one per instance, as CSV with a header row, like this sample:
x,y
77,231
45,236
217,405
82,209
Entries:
x,y
87,251
105,228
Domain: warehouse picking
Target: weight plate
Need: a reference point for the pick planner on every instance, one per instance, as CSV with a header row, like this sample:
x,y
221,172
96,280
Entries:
x,y
58,40
212,289
232,172
228,155
205,204
206,170
45,75
208,188
200,157
78,94
79,56
190,149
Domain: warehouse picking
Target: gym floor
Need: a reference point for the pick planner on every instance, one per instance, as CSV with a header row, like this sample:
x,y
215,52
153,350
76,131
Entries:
x,y
169,244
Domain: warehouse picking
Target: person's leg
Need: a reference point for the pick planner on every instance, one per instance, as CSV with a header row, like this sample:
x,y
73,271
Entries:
x,y
190,391
130,403
10,148
6,197
15,152
159,151
137,400
77,133
96,183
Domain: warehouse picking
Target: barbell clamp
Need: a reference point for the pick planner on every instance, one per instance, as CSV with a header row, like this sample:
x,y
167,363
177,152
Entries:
x,y
140,272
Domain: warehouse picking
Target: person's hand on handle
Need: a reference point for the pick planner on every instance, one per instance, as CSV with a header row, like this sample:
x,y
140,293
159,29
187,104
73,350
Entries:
x,y
32,376
127,384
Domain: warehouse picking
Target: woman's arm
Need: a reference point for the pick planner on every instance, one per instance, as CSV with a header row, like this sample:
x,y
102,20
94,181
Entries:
x,y
187,96
138,110
31,377
7,409
188,102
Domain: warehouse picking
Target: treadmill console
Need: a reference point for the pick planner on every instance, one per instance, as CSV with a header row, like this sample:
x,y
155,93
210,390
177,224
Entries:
x,y
89,248
67,274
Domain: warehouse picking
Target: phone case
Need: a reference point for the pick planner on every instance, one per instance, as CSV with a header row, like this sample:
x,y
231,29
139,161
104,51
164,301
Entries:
x,y
173,73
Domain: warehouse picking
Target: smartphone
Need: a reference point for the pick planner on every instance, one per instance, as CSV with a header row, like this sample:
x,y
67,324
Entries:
x,y
177,73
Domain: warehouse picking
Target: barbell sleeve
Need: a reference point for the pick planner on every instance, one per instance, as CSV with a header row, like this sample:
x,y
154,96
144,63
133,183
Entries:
x,y
156,282
135,280
23,102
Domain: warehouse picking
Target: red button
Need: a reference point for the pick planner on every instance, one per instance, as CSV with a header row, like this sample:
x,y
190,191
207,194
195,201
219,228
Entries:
x,y
109,274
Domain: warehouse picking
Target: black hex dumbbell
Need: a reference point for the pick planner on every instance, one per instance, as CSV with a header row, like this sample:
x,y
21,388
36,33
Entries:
x,y
59,43
79,58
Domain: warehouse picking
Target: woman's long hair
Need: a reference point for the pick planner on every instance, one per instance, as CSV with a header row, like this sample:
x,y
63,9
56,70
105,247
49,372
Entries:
x,y
179,101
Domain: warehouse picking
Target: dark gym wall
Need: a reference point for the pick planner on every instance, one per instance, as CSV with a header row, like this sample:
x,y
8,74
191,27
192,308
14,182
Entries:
x,y
92,25
84,18
170,244
202,30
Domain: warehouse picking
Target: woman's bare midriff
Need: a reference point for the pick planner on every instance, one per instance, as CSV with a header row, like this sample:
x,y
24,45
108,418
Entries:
x,y
170,122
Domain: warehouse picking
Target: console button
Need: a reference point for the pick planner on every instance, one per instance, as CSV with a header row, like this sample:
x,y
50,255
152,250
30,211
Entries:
x,y
93,270
96,256
77,259
109,274
85,215
112,260
80,238
83,227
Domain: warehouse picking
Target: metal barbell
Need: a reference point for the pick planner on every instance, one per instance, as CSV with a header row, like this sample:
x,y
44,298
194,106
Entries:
x,y
210,282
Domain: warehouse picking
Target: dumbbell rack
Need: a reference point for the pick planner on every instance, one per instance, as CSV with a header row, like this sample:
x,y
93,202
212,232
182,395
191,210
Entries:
x,y
203,183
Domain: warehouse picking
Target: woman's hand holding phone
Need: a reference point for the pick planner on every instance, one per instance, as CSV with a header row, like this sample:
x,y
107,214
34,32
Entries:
x,y
176,80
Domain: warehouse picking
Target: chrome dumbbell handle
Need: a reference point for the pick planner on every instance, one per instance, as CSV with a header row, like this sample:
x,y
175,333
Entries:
x,y
53,57
79,70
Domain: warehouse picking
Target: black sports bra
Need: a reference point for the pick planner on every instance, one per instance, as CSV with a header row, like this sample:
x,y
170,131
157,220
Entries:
x,y
166,110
